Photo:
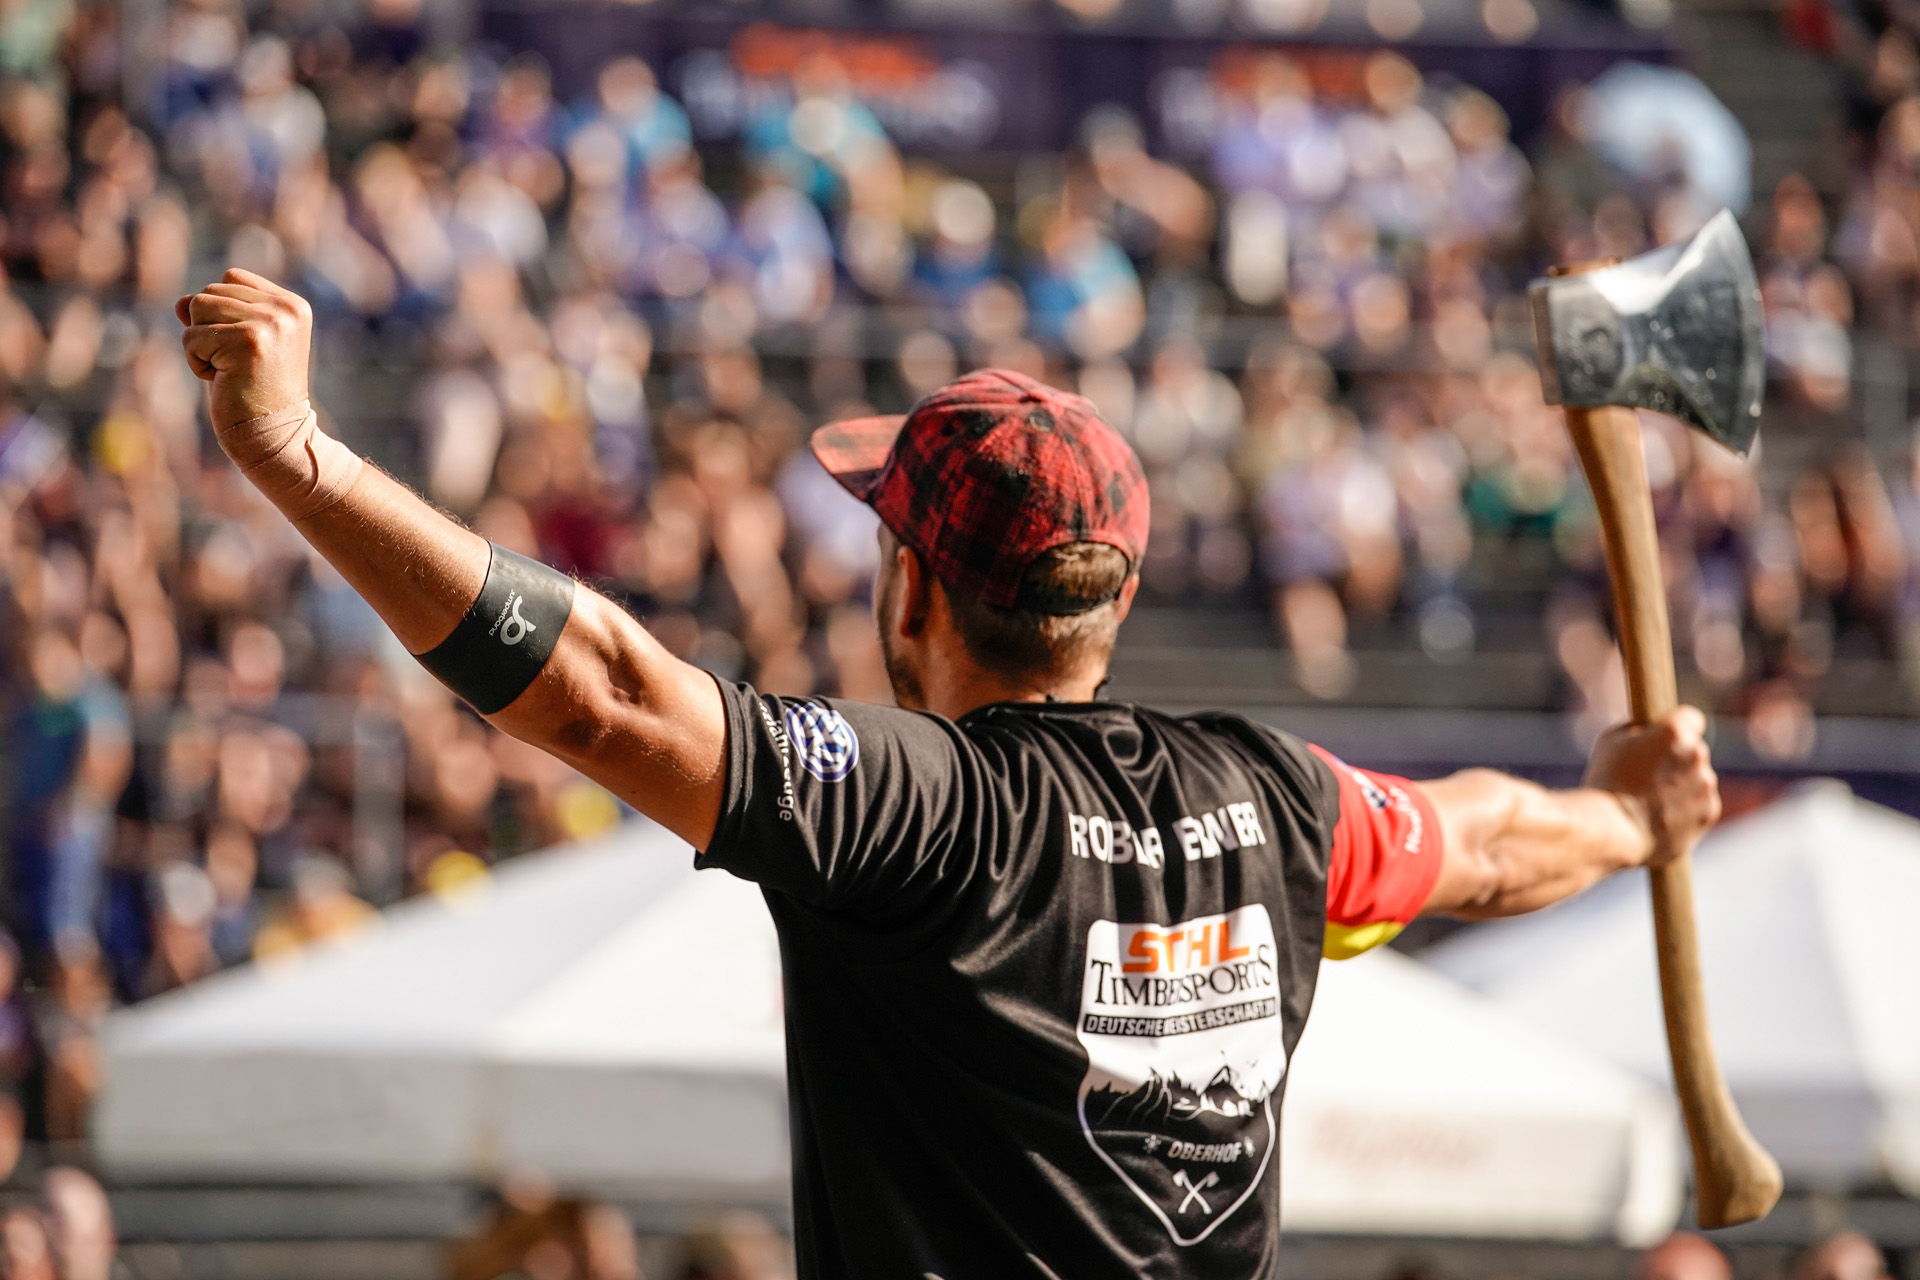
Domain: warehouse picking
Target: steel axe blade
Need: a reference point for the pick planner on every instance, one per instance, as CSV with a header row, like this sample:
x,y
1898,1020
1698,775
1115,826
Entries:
x,y
1676,330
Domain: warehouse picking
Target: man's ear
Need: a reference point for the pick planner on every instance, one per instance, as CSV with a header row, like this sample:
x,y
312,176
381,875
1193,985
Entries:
x,y
916,589
1128,590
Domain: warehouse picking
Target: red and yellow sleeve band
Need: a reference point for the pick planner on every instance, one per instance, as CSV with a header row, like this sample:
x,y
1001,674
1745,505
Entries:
x,y
1384,861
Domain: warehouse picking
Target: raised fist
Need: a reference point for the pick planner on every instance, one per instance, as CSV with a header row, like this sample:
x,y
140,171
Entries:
x,y
248,338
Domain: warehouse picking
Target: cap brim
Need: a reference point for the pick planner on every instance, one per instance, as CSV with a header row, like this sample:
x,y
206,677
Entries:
x,y
855,452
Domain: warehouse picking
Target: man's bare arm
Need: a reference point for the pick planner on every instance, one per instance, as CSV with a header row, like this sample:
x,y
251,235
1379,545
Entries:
x,y
1511,846
609,701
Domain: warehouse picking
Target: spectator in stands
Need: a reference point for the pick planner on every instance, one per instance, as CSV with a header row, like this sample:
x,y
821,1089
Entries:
x,y
1845,1256
79,1225
681,234
823,140
961,254
521,130
532,1232
73,760
651,126
1683,1256
1281,140
1400,157
783,255
1490,177
321,907
1084,293
69,1031
1159,213
26,1252
741,1246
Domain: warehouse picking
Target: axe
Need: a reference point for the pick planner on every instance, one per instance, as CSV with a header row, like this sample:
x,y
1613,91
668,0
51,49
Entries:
x,y
1677,331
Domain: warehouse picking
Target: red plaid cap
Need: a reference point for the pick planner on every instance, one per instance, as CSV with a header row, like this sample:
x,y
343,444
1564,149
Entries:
x,y
990,472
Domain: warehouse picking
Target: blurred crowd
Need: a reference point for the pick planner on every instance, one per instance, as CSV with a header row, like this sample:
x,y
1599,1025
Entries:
x,y
1688,1255
1844,1255
531,1234
603,345
67,1233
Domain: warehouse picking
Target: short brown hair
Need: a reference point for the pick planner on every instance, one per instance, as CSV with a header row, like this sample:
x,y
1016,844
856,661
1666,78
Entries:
x,y
1080,583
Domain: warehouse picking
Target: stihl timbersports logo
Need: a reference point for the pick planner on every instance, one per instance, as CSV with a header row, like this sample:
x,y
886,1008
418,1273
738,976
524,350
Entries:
x,y
1181,1024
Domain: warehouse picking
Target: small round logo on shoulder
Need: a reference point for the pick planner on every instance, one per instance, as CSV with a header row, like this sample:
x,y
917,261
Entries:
x,y
823,741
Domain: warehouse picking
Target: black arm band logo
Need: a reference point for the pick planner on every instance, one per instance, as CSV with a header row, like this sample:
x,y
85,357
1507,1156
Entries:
x,y
507,635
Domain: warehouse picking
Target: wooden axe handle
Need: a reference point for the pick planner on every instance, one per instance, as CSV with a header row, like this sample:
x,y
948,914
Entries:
x,y
1735,1180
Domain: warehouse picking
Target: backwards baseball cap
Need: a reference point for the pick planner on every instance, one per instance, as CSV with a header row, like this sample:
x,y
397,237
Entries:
x,y
989,473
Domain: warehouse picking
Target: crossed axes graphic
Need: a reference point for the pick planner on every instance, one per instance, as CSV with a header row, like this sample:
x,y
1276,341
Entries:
x,y
1193,1189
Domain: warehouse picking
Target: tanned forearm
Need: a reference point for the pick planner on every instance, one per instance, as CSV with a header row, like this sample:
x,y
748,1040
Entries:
x,y
1514,846
1510,846
417,568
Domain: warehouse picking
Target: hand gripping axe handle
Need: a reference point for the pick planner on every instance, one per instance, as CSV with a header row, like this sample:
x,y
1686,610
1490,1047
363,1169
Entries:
x,y
1677,331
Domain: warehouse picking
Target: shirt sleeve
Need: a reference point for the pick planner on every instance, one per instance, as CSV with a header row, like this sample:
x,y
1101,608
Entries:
x,y
1384,861
843,805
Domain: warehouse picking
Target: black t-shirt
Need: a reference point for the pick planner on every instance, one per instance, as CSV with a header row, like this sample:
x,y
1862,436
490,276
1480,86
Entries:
x,y
1044,970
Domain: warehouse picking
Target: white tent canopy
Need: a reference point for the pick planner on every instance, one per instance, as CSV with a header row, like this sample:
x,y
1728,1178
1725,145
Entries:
x,y
1418,1108
1812,964
611,1017
603,1013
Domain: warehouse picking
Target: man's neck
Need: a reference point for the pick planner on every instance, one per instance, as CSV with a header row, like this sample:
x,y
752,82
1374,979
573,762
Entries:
x,y
958,687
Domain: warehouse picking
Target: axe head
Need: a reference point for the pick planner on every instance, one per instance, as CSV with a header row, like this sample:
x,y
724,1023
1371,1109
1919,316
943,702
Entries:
x,y
1676,330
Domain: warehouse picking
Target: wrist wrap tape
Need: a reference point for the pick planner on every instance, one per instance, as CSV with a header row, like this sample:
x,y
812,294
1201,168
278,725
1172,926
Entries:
x,y
301,468
507,635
